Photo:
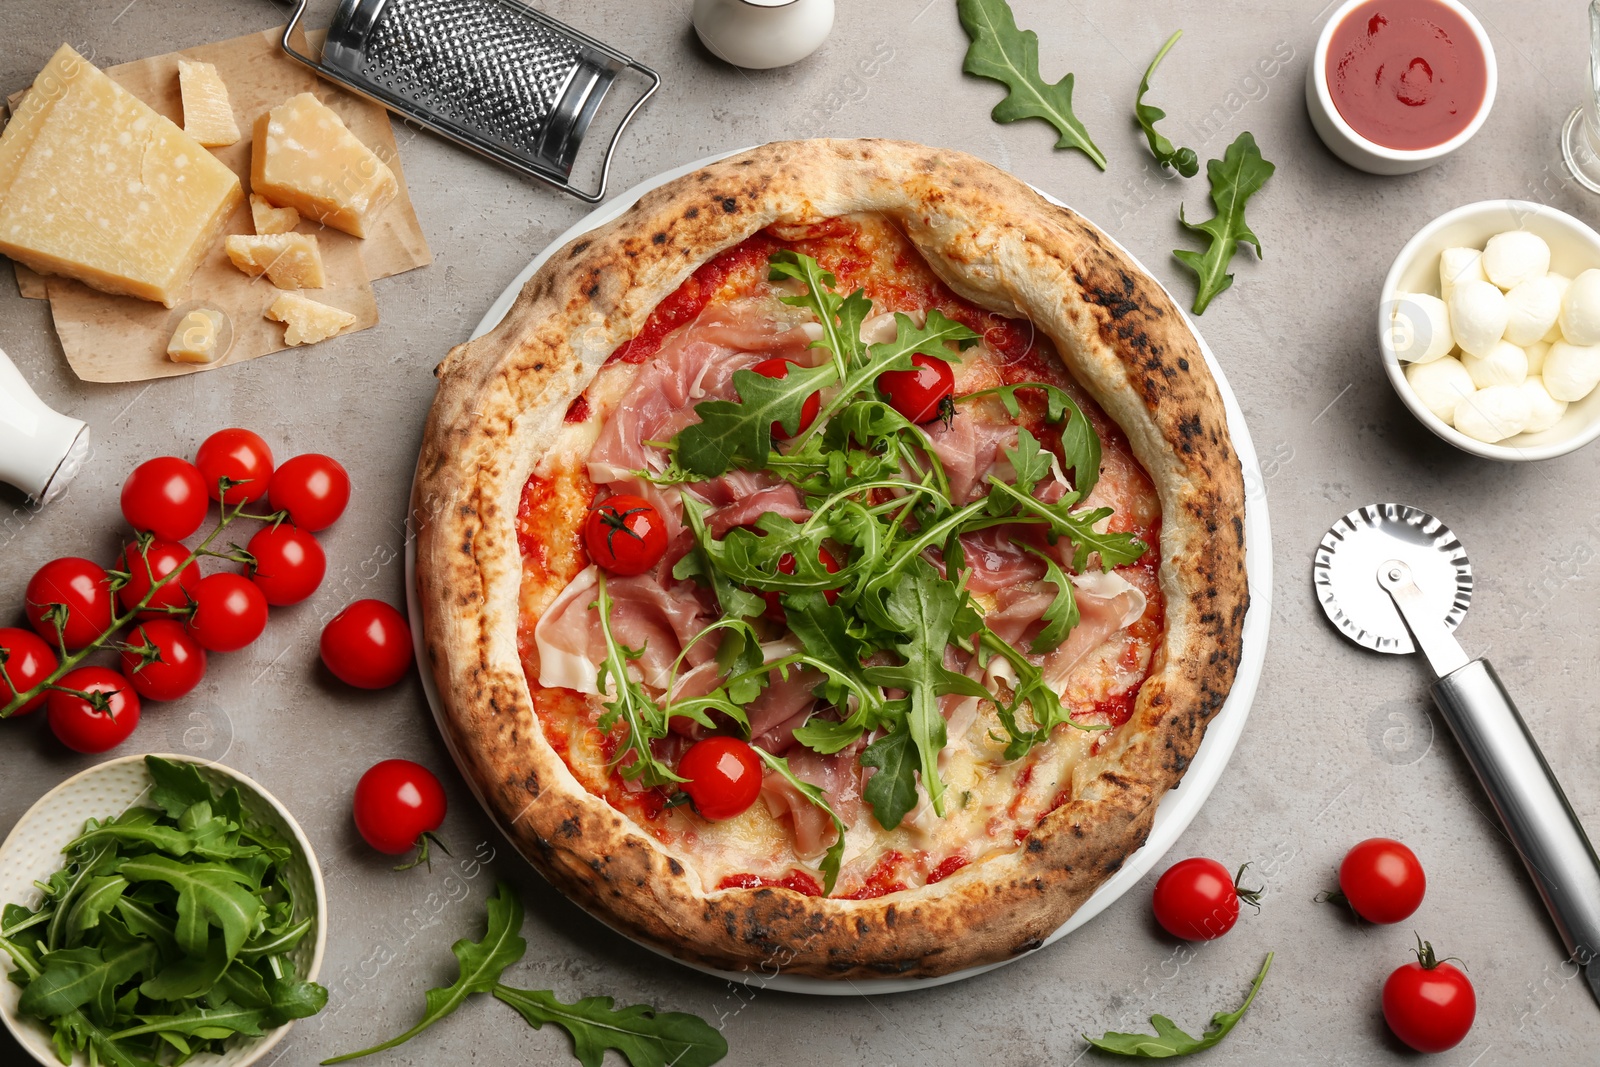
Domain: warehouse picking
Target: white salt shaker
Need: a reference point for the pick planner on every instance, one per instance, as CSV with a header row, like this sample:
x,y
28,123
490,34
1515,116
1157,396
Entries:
x,y
758,34
41,450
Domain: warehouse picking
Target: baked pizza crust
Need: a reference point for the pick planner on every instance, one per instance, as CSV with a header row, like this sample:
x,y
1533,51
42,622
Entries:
x,y
500,405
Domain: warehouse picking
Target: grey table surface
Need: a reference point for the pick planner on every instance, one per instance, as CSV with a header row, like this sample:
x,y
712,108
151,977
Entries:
x,y
1341,744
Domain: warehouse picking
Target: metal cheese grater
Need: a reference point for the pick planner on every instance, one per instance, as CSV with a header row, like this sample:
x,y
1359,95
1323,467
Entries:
x,y
494,76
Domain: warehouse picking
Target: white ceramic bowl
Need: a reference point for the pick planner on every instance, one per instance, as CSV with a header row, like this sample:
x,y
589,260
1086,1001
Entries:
x,y
33,851
1343,141
1574,248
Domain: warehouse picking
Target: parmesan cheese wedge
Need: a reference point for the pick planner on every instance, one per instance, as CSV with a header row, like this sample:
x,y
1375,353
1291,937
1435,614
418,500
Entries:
x,y
269,219
95,185
289,260
197,338
207,112
308,321
305,158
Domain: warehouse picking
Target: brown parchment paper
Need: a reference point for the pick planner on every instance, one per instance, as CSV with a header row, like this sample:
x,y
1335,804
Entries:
x,y
121,339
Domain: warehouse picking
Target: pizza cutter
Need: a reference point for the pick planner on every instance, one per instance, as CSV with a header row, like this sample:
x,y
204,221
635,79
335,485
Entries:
x,y
1393,578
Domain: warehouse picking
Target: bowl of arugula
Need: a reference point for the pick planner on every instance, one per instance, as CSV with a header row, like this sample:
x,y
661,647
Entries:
x,y
158,909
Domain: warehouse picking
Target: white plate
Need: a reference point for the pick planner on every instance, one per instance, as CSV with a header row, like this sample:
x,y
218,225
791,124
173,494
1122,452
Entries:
x,y
1177,808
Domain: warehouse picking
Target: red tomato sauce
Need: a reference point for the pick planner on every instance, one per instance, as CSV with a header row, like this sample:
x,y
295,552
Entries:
x,y
1406,74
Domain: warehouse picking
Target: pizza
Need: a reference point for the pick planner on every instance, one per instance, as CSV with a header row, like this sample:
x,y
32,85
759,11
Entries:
x,y
829,564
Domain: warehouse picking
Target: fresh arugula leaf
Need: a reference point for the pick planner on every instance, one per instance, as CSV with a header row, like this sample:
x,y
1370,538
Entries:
x,y
99,896
209,894
73,977
293,997
1001,52
1235,178
1062,614
22,923
835,854
735,601
143,920
734,433
1169,1040
629,704
480,964
189,976
839,317
644,1036
244,985
1030,689
1030,463
1183,160
177,785
88,862
1080,445
1115,549
892,792
211,1023
274,944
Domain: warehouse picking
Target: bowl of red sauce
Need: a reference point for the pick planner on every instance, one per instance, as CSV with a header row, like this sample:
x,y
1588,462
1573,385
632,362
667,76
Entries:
x,y
1397,85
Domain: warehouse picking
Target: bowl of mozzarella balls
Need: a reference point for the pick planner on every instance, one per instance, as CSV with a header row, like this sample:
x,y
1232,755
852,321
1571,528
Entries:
x,y
1490,329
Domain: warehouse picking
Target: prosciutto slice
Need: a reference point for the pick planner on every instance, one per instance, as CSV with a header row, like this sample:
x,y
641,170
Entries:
x,y
969,448
839,778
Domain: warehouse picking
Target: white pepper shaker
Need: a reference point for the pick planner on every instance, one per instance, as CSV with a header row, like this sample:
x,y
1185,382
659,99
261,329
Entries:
x,y
41,450
758,34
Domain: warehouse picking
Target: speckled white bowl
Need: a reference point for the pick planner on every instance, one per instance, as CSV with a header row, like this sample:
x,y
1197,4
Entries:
x,y
32,851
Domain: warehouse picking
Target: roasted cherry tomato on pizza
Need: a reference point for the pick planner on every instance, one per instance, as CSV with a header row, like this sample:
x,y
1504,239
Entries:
x,y
165,496
229,612
625,534
93,710
1429,1003
1197,900
312,488
74,592
786,565
722,776
367,645
288,564
162,659
240,456
1382,880
27,660
778,369
922,393
398,806
148,564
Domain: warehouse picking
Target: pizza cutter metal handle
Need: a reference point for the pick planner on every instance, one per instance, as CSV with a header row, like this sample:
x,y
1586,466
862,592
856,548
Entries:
x,y
1520,784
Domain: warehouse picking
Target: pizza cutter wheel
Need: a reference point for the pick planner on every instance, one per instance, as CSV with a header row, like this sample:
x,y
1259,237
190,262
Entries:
x,y
1393,578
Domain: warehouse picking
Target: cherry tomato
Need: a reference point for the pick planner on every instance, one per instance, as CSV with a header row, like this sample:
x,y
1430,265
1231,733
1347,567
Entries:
x,y
165,496
367,645
146,567
1429,1004
98,722
289,564
724,776
1197,900
312,488
921,394
625,534
27,660
240,456
397,805
179,668
786,566
83,587
779,368
229,612
1382,880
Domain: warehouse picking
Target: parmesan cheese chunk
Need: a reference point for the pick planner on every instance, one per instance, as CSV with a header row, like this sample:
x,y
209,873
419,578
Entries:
x,y
197,338
290,260
269,219
305,158
207,112
308,321
96,186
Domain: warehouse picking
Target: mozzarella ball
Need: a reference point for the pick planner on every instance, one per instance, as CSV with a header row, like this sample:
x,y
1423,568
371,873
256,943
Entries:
x,y
1544,410
1458,265
1419,328
1570,371
1478,316
1493,414
1506,364
1532,308
1441,385
1511,258
1580,310
1553,334
1535,353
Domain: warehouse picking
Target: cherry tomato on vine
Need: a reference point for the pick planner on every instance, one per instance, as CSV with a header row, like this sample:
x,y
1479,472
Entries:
x,y
923,393
289,564
164,661
240,456
312,488
1197,900
786,566
724,776
1382,880
1429,1003
778,368
165,496
625,534
398,805
367,645
229,612
27,660
149,565
98,722
83,588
